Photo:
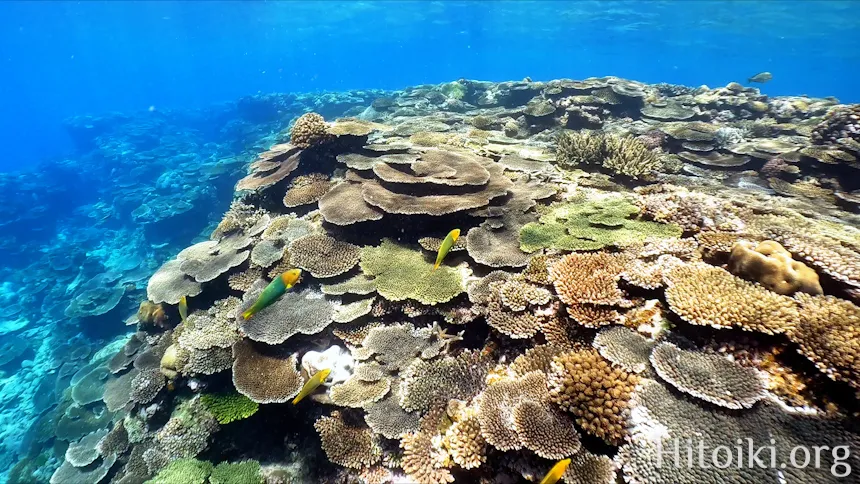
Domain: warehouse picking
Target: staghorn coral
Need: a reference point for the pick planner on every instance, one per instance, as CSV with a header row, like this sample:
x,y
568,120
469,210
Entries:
x,y
709,296
623,156
355,392
306,189
309,130
323,256
265,375
426,382
711,378
537,270
624,347
229,407
828,333
401,273
595,391
769,264
515,413
345,444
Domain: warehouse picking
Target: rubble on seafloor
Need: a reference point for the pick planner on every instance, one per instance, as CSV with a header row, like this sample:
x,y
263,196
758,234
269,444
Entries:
x,y
637,264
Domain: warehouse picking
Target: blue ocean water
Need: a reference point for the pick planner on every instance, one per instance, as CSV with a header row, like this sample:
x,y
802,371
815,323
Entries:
x,y
60,59
126,125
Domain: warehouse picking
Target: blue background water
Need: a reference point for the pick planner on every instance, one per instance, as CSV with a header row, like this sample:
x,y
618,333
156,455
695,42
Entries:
x,y
59,59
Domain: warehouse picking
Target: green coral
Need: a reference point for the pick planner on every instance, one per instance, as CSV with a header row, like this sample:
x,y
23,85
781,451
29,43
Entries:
x,y
402,273
453,90
582,224
624,156
183,471
229,407
247,472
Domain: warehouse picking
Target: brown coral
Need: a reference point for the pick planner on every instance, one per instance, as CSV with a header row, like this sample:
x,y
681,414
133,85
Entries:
x,y
150,313
265,375
463,439
306,189
346,444
323,256
309,130
596,392
589,278
709,296
270,168
829,335
515,413
769,264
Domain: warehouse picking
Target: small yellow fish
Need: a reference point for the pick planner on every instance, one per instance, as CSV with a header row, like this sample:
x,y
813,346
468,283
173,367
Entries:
x,y
183,308
556,472
273,291
761,77
449,241
312,384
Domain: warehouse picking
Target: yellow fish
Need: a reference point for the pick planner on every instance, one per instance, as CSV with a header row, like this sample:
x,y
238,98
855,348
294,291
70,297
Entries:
x,y
312,384
556,472
273,291
183,308
449,241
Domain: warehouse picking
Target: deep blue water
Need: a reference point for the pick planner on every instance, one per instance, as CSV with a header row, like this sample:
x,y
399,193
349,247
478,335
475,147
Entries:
x,y
59,59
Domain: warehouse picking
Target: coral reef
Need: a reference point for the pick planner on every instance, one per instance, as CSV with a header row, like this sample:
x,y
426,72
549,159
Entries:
x,y
665,275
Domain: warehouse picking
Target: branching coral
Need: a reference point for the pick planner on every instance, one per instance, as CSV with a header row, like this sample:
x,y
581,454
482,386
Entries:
x,y
426,382
624,156
303,311
401,273
229,407
595,391
589,278
709,296
583,224
323,256
828,333
516,413
463,438
265,375
424,460
345,444
309,130
711,378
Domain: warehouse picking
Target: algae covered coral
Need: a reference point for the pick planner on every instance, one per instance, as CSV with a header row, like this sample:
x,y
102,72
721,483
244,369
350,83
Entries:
x,y
617,288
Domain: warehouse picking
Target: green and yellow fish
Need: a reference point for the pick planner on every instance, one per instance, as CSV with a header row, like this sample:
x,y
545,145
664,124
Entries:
x,y
761,77
312,384
556,472
183,308
449,241
273,291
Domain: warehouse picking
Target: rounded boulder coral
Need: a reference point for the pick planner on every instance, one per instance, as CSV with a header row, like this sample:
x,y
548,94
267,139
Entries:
x,y
309,130
769,264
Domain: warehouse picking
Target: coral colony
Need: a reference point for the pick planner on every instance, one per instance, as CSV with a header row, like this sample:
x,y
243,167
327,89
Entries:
x,y
627,266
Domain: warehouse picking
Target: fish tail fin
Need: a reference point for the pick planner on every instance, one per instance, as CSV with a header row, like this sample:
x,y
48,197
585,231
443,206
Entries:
x,y
247,314
298,399
436,266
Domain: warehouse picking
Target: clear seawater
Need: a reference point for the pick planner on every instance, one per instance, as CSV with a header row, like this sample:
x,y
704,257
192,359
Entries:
x,y
59,59
124,125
